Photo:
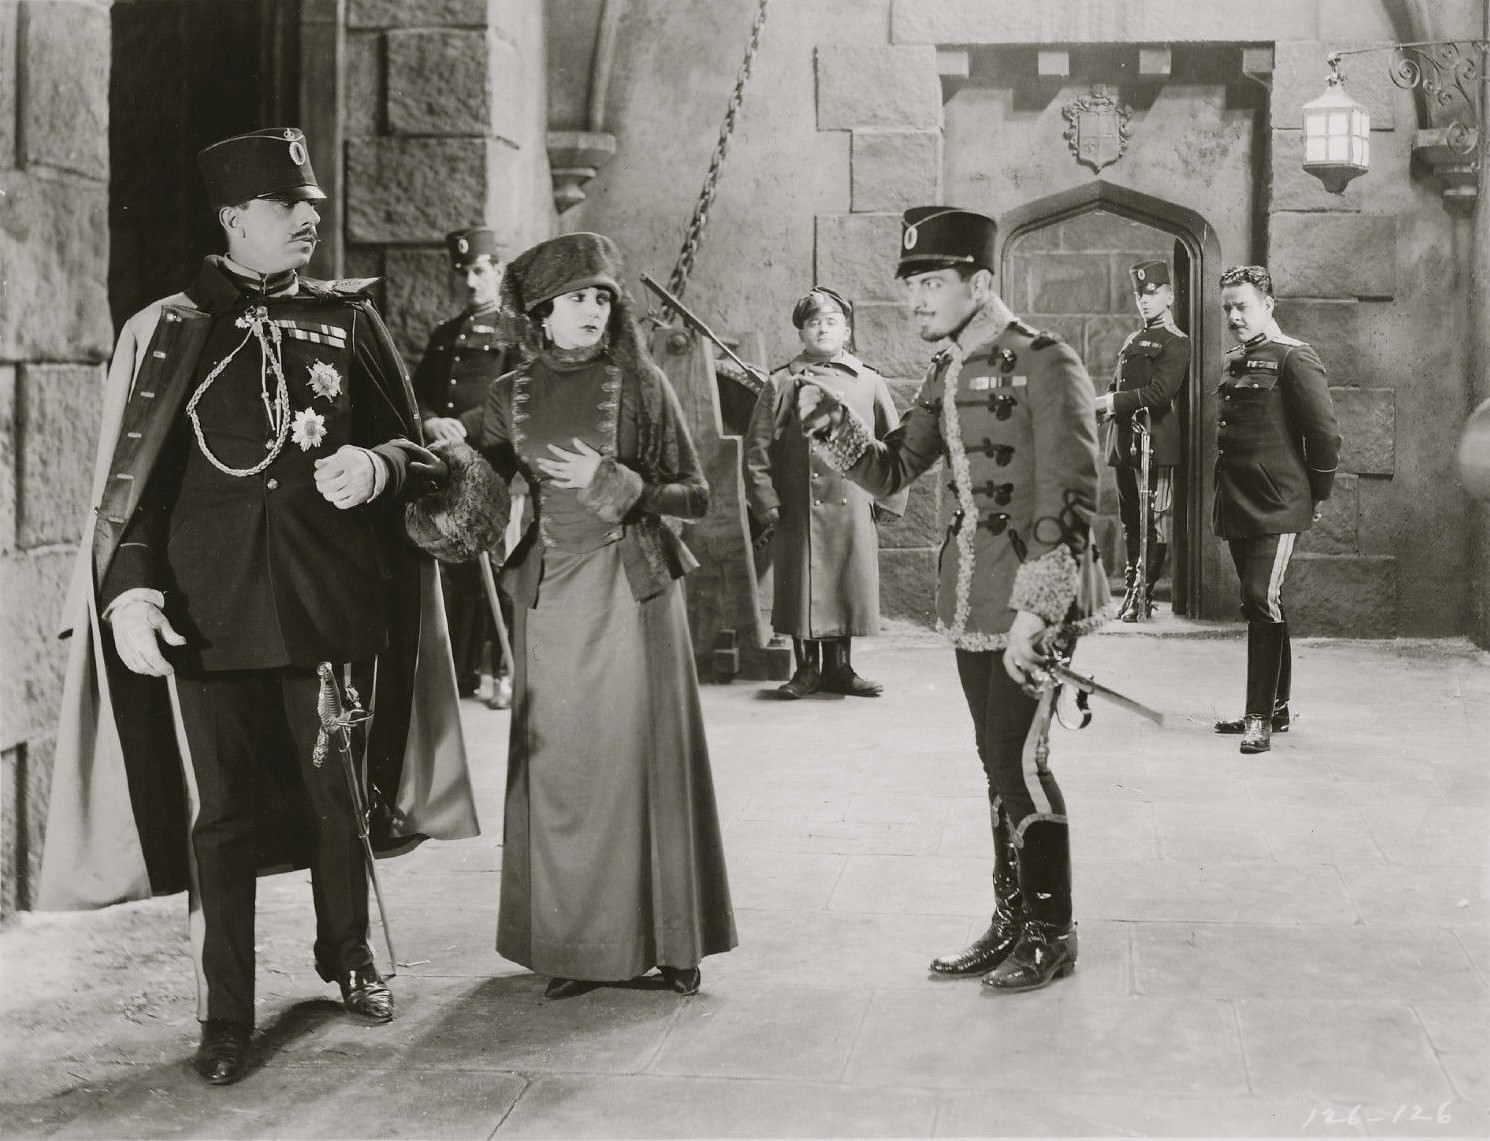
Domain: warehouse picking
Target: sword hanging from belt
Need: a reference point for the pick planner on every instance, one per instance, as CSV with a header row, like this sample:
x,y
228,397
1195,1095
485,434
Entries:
x,y
1055,673
1144,439
337,721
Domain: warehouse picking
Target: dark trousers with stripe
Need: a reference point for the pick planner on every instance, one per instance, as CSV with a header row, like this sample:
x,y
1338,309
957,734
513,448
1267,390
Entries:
x,y
1261,563
247,729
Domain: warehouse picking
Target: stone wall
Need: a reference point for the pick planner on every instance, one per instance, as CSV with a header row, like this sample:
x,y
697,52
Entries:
x,y
445,127
55,334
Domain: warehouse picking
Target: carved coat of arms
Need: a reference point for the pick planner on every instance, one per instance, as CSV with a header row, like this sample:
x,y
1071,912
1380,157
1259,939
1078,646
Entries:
x,y
1098,128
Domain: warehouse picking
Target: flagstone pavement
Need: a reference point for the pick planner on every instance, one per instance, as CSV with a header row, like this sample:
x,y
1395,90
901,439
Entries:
x,y
1294,944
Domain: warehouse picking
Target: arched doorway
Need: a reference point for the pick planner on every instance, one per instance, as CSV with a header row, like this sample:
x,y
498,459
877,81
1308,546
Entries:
x,y
1127,222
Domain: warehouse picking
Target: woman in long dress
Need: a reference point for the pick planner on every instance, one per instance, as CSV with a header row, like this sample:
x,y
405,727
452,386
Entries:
x,y
612,860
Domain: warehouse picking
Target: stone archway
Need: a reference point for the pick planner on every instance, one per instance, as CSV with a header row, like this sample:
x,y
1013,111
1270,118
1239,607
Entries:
x,y
1200,584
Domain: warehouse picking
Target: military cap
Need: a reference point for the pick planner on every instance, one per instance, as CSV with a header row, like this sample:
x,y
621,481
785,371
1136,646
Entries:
x,y
821,300
1147,276
938,237
272,163
466,246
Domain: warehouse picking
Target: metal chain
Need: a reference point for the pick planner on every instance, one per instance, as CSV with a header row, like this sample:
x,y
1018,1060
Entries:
x,y
678,282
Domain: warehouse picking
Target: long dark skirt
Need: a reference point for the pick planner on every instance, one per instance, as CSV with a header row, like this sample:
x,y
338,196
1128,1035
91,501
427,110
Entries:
x,y
612,861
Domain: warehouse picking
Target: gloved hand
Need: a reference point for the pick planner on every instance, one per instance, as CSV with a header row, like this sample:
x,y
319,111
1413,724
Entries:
x,y
819,410
445,428
347,478
138,628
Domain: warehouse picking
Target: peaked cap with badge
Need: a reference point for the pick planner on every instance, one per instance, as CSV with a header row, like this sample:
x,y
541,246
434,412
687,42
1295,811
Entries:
x,y
272,163
465,246
943,237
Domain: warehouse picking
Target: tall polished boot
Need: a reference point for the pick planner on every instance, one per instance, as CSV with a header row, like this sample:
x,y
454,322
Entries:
x,y
1264,661
1127,609
1158,553
1047,947
838,671
992,947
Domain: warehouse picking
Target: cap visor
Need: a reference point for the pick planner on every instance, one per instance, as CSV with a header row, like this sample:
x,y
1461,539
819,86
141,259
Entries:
x,y
298,194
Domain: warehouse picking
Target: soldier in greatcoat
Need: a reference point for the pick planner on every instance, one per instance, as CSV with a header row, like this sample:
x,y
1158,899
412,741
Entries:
x,y
825,558
1010,411
1151,370
259,443
464,355
1277,447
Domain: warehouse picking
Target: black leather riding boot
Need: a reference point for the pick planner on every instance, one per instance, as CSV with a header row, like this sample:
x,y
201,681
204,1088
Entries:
x,y
808,678
1265,641
838,671
992,947
1047,946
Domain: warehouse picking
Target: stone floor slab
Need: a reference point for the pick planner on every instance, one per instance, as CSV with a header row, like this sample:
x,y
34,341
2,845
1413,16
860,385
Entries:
x,y
1419,894
1370,1053
785,881
910,885
1460,1032
1213,892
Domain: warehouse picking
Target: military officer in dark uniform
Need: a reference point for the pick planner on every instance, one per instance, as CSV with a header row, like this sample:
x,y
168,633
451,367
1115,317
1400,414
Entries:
x,y
1151,369
1277,446
1010,410
268,445
463,357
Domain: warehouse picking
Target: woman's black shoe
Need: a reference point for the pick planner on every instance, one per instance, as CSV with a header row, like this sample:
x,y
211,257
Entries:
x,y
222,1058
567,988
684,980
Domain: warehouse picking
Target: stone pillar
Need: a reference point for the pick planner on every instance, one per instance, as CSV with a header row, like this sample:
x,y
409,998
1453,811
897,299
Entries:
x,y
445,128
1479,358
55,334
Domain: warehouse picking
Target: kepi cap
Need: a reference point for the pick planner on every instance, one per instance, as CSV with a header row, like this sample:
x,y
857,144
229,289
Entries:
x,y
271,163
1147,276
938,237
819,300
466,246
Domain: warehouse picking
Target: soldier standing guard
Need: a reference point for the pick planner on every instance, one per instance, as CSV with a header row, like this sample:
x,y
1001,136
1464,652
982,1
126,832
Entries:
x,y
259,443
826,555
1010,409
1277,446
463,357
1151,369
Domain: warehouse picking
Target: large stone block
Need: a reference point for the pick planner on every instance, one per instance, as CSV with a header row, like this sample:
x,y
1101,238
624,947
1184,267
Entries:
x,y
365,103
1368,425
7,458
1128,21
1104,339
1347,596
416,13
894,87
908,585
1294,188
408,190
437,83
1333,328
64,105
1333,255
1339,527
9,11
54,302
25,792
34,588
919,526
419,297
888,340
1067,283
57,440
857,255
1300,75
895,170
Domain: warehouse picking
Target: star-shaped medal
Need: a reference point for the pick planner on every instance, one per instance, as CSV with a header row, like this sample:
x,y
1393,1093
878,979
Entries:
x,y
308,429
325,380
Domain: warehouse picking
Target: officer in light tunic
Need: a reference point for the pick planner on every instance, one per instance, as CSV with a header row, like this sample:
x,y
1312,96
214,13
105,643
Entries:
x,y
258,446
463,357
1277,447
1151,370
1010,410
825,559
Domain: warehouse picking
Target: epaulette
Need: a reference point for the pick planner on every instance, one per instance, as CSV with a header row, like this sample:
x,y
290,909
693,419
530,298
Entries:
x,y
1039,339
1236,351
1176,330
1292,342
341,287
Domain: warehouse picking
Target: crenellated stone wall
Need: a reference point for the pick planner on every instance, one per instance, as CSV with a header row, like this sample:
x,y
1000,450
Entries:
x,y
445,127
55,335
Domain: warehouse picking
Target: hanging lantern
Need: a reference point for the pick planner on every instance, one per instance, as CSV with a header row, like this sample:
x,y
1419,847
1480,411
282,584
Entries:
x,y
1337,135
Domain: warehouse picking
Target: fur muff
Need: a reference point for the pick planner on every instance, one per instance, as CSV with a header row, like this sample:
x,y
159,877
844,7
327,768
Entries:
x,y
467,516
613,492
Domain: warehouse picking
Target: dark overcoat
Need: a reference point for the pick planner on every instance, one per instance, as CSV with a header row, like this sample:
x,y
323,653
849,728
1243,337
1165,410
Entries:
x,y
1151,370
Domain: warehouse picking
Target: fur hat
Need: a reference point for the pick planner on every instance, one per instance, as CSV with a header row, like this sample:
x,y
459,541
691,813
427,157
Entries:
x,y
562,265
464,518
